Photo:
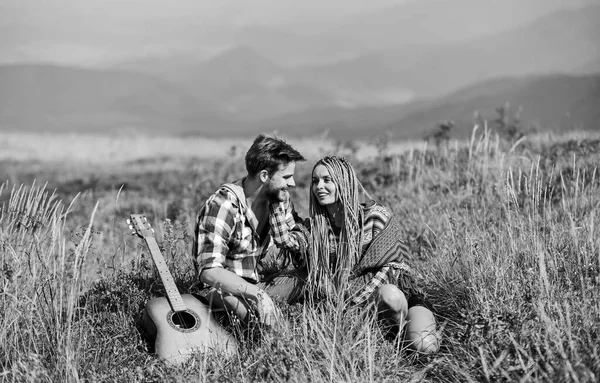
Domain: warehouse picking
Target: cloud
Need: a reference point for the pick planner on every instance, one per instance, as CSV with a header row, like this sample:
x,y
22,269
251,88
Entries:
x,y
83,30
91,30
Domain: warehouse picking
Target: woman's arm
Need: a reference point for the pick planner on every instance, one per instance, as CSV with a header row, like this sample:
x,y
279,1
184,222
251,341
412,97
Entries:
x,y
293,239
364,293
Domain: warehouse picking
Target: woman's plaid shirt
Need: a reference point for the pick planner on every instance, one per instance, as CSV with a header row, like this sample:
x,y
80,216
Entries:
x,y
226,233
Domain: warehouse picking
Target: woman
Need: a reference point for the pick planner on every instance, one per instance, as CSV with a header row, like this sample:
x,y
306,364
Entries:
x,y
353,251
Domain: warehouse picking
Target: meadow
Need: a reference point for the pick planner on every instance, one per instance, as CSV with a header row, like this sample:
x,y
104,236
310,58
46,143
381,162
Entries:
x,y
504,233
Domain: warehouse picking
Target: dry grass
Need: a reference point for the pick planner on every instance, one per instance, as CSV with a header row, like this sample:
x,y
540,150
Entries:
x,y
506,237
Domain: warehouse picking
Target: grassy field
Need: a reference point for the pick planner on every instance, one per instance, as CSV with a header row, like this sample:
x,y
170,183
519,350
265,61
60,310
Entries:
x,y
505,235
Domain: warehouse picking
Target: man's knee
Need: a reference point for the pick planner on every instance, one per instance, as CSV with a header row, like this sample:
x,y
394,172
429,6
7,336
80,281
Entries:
x,y
287,286
274,260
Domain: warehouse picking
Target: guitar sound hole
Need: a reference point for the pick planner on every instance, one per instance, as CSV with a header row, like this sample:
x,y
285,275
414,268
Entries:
x,y
183,320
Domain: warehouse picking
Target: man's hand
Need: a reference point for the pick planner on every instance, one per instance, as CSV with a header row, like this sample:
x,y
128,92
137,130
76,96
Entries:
x,y
268,313
248,294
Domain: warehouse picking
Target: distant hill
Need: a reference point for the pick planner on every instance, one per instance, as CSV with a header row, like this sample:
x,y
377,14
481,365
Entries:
x,y
340,122
552,102
592,66
246,85
369,73
56,98
439,22
292,49
561,42
239,63
53,98
429,55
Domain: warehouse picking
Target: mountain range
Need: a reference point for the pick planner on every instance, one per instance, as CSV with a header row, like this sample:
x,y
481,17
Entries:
x,y
54,98
339,78
248,84
554,102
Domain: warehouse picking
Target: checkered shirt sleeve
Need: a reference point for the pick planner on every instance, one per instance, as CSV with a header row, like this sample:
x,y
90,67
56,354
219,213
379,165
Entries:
x,y
379,279
387,274
214,230
285,232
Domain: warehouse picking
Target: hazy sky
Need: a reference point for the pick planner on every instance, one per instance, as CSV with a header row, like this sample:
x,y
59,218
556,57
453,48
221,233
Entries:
x,y
83,31
119,10
89,30
131,16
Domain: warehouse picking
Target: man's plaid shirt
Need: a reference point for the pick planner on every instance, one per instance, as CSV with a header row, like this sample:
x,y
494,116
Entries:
x,y
375,219
226,233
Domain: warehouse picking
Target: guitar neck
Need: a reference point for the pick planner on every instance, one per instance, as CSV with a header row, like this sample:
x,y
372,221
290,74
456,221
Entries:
x,y
173,295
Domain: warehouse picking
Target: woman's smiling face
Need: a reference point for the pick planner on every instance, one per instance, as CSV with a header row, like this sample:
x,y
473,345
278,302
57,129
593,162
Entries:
x,y
322,186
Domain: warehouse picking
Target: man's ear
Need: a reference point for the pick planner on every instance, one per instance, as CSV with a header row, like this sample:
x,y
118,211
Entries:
x,y
263,175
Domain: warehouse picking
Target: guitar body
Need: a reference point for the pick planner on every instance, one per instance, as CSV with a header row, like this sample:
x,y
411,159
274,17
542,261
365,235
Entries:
x,y
177,335
179,325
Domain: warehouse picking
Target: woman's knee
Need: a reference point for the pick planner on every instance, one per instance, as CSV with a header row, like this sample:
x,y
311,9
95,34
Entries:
x,y
421,331
391,299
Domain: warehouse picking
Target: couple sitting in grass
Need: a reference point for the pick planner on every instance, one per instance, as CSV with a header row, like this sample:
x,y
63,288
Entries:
x,y
348,253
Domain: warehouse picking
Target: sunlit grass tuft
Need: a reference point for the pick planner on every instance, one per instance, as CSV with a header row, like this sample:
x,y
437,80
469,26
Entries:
x,y
504,235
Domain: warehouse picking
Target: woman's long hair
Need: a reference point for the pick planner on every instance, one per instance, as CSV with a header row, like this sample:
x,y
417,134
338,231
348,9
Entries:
x,y
329,263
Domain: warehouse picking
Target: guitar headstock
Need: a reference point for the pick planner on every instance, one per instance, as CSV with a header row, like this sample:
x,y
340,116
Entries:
x,y
140,226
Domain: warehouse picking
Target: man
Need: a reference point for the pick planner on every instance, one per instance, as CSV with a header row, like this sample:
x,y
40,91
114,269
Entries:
x,y
232,233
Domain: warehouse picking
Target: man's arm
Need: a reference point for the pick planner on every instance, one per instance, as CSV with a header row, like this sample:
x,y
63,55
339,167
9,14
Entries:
x,y
230,283
214,229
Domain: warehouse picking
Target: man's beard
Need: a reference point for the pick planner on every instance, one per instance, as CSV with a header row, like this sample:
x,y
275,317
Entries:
x,y
276,194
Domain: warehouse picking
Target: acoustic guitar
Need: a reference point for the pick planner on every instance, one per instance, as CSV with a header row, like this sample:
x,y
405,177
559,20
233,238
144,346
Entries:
x,y
179,325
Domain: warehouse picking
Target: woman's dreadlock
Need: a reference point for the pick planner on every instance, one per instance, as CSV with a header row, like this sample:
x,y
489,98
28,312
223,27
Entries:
x,y
330,264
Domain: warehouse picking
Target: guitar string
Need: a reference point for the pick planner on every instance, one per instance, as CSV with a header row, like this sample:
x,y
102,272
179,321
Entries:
x,y
157,257
137,222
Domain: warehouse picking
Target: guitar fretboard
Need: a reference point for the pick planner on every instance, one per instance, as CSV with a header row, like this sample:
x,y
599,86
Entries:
x,y
173,295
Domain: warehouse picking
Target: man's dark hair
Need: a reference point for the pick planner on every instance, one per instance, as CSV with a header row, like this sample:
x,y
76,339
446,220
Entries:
x,y
269,153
